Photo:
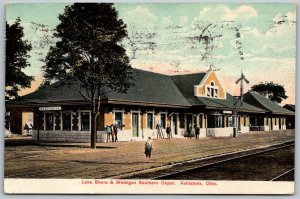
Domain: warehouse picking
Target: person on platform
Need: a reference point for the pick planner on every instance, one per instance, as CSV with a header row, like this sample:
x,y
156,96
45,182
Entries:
x,y
109,133
115,132
168,131
159,131
189,131
148,148
197,132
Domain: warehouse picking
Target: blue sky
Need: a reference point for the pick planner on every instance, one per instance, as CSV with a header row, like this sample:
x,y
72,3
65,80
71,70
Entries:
x,y
163,38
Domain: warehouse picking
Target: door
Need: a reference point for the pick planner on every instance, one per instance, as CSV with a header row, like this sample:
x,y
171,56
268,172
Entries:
x,y
174,124
135,124
280,123
189,121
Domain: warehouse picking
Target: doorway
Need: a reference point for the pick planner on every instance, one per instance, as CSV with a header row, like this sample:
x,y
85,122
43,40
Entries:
x,y
135,124
174,124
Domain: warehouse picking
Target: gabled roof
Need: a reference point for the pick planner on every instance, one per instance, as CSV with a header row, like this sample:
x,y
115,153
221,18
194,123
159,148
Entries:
x,y
185,83
148,88
290,107
151,88
265,103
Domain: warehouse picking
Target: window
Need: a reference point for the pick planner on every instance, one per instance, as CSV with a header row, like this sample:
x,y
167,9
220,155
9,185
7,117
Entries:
x,y
230,121
163,120
119,119
66,121
49,121
150,120
275,121
85,121
212,90
208,92
245,120
215,121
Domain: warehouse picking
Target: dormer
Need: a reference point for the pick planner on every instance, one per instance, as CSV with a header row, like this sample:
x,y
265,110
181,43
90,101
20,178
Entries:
x,y
210,87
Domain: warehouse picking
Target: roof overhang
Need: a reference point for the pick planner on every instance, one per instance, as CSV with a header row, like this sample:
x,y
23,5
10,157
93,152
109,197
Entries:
x,y
142,103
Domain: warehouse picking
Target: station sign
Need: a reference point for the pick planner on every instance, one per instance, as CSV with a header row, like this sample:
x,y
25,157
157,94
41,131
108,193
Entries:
x,y
53,108
227,112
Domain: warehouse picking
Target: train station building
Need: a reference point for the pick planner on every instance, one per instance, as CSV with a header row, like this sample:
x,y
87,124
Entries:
x,y
60,114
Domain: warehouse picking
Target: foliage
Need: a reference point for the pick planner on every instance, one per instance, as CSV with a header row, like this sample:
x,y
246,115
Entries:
x,y
273,91
90,53
44,84
16,59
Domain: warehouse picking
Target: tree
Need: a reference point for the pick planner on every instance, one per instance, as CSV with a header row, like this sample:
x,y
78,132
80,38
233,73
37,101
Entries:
x,y
89,52
44,84
16,59
273,91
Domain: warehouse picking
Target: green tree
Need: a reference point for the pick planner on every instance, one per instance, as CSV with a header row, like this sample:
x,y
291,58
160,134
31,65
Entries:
x,y
89,52
273,91
16,59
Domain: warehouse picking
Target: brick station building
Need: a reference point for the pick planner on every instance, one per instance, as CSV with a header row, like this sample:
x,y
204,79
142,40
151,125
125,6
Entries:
x,y
60,113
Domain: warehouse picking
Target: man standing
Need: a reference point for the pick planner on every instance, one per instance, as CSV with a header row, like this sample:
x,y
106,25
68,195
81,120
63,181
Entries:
x,y
158,128
148,148
189,131
109,132
115,132
168,131
197,132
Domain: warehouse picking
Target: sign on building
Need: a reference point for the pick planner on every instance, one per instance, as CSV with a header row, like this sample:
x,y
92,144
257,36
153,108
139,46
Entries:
x,y
53,108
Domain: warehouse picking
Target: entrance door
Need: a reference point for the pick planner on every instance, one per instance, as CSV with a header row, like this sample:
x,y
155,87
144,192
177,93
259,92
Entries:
x,y
279,123
270,124
239,123
135,124
189,121
174,124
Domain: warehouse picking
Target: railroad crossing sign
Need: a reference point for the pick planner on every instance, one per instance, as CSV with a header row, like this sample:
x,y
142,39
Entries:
x,y
241,79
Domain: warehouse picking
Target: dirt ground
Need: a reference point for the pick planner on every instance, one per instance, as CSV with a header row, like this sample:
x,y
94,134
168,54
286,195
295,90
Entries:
x,y
61,160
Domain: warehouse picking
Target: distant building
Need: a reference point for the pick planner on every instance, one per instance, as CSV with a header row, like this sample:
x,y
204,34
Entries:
x,y
62,114
290,120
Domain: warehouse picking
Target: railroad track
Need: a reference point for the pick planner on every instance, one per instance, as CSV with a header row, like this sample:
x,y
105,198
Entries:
x,y
283,175
191,166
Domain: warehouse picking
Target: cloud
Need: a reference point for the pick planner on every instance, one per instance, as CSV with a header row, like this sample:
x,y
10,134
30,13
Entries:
x,y
224,13
140,17
183,20
166,21
278,40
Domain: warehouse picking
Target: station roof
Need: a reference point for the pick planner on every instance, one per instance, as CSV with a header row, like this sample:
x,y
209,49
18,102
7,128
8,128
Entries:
x,y
290,107
265,103
150,89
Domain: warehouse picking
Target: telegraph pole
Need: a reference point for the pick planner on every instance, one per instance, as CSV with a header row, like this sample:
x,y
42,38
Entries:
x,y
235,112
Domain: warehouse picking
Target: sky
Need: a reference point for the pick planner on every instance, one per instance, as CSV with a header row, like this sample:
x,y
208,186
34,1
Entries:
x,y
258,39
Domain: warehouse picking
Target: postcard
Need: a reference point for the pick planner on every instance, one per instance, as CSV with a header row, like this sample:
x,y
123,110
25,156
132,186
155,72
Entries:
x,y
150,98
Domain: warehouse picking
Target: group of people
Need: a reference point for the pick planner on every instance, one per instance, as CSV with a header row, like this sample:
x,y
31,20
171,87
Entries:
x,y
160,133
190,130
112,133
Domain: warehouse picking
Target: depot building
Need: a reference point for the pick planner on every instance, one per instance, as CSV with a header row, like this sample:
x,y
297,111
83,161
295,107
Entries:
x,y
60,113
